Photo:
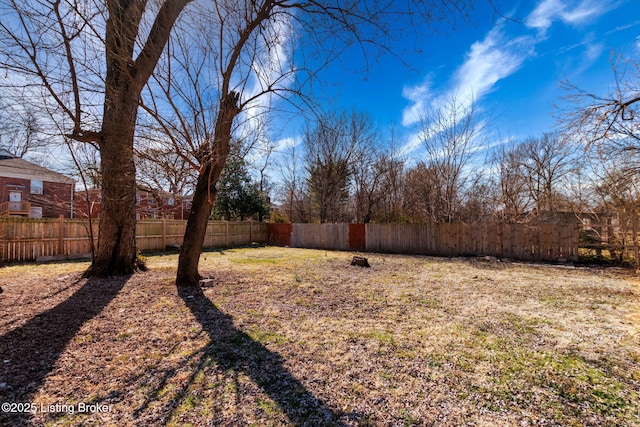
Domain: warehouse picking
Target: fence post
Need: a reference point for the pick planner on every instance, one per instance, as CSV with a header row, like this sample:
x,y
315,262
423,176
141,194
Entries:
x,y
60,235
634,232
250,230
226,233
164,234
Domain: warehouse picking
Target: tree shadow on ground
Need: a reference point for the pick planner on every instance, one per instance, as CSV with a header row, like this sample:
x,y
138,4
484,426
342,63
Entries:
x,y
234,350
30,351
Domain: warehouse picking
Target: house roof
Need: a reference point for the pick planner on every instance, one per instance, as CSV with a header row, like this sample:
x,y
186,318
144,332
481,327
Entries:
x,y
20,168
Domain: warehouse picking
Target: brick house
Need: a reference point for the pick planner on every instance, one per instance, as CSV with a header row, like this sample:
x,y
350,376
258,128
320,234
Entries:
x,y
33,191
149,204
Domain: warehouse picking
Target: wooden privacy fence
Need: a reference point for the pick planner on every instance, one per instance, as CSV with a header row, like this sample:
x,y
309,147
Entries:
x,y
542,242
38,239
41,239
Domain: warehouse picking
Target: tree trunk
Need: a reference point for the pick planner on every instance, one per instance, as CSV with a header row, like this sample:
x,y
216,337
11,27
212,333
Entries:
x,y
212,160
116,253
124,80
203,200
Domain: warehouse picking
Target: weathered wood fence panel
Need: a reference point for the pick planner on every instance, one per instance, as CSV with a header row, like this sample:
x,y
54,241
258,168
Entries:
x,y
320,236
32,239
546,242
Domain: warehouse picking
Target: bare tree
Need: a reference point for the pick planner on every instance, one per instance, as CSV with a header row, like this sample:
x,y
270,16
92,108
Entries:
x,y
512,198
392,183
609,127
450,134
293,192
378,181
544,163
369,178
62,46
614,213
479,201
610,120
335,147
204,85
162,169
249,38
392,189
617,186
421,198
20,130
533,177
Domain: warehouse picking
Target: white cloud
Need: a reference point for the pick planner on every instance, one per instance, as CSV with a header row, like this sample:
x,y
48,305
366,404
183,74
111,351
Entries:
x,y
419,95
593,52
542,16
272,64
286,143
584,12
487,62
548,11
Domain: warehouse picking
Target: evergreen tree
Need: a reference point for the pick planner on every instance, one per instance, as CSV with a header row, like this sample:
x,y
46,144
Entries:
x,y
238,195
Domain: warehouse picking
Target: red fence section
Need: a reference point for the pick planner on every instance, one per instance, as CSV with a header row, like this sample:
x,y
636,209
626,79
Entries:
x,y
280,234
357,237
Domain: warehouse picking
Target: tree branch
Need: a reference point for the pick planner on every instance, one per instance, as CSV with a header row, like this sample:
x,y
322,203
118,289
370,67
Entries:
x,y
158,37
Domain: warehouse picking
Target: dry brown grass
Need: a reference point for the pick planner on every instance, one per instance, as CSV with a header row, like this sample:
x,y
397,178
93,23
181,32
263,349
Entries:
x,y
290,336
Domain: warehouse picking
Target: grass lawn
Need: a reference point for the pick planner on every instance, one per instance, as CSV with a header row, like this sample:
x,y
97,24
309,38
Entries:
x,y
299,337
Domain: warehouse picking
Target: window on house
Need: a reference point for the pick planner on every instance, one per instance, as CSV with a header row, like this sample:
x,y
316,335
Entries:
x,y
36,187
35,212
171,202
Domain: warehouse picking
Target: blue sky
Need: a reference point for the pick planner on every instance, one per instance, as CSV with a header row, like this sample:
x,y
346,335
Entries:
x,y
511,67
